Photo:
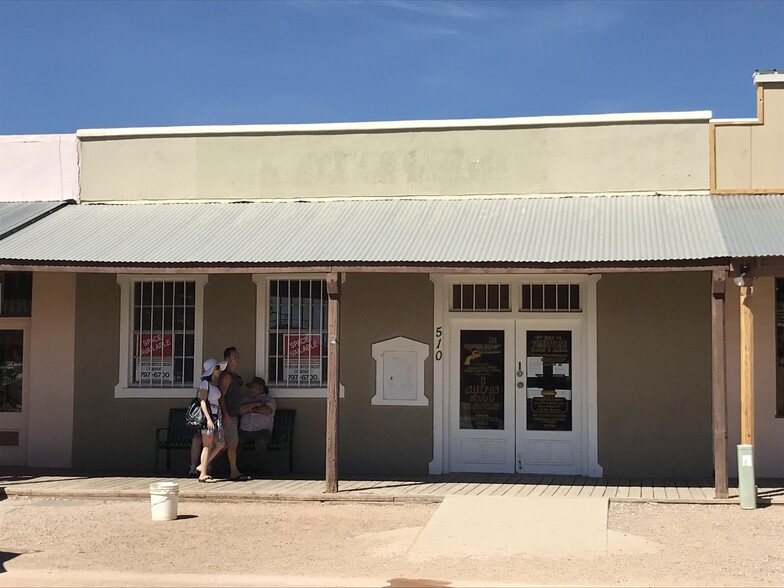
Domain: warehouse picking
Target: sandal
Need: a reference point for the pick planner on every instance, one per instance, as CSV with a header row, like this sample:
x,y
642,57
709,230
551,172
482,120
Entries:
x,y
207,480
240,478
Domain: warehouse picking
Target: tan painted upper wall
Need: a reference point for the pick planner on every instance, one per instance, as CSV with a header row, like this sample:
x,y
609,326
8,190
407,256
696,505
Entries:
x,y
629,157
749,157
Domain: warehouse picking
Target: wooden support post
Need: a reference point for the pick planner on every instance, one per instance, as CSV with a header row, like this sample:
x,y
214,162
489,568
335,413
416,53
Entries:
x,y
746,367
718,385
333,380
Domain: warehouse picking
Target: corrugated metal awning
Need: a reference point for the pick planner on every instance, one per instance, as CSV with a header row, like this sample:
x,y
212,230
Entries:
x,y
17,215
522,230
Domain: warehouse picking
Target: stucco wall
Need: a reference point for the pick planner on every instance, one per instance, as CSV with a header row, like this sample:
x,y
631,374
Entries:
x,y
38,167
118,434
629,157
654,375
51,407
384,439
750,156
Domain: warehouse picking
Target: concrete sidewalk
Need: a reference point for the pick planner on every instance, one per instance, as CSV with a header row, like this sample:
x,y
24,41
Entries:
x,y
498,526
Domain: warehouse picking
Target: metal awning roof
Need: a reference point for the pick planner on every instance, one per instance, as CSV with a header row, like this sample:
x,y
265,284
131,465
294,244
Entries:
x,y
522,230
17,215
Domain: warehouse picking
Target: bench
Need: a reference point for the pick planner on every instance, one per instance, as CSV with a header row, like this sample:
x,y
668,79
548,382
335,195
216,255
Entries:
x,y
282,438
178,436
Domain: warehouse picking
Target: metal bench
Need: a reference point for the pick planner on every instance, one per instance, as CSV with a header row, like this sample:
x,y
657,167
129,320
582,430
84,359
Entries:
x,y
282,438
178,436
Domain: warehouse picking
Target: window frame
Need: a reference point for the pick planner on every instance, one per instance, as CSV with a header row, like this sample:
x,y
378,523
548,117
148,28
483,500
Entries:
x,y
262,282
123,389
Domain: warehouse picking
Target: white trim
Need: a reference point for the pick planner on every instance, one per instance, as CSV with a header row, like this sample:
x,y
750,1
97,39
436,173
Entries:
x,y
404,345
402,125
767,77
122,389
591,358
304,392
440,408
262,334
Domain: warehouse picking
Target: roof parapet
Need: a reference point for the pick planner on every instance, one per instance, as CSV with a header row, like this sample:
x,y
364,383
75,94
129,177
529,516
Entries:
x,y
767,76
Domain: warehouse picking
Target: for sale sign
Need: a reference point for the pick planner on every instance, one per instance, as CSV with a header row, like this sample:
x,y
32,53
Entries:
x,y
302,359
154,357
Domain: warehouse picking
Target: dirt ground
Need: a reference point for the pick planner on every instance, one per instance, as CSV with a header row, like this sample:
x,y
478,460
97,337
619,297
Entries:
x,y
689,545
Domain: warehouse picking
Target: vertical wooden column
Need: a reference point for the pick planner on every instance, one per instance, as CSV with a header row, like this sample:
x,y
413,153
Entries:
x,y
333,380
719,385
746,367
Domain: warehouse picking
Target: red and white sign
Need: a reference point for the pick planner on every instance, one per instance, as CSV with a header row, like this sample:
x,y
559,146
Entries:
x,y
154,357
155,345
302,359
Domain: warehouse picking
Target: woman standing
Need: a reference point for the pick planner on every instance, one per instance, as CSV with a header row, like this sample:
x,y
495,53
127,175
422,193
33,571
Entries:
x,y
211,436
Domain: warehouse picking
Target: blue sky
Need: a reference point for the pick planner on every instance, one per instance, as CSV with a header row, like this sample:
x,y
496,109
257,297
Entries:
x,y
72,65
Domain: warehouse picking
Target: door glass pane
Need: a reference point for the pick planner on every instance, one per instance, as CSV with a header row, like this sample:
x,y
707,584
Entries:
x,y
11,371
482,379
549,381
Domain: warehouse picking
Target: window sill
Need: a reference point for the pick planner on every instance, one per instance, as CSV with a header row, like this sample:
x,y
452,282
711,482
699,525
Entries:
x,y
124,392
303,392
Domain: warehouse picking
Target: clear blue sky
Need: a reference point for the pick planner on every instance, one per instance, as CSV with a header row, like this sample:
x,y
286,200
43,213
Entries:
x,y
72,65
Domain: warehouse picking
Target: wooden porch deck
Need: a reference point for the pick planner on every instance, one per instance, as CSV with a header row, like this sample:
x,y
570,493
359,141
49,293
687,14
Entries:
x,y
417,489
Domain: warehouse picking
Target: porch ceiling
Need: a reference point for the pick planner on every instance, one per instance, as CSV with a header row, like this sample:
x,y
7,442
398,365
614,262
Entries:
x,y
558,230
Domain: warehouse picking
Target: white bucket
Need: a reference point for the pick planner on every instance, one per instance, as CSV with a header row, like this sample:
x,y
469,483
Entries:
x,y
163,500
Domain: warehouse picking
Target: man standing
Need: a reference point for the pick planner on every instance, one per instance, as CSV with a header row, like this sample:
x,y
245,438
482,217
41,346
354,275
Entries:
x,y
258,416
230,385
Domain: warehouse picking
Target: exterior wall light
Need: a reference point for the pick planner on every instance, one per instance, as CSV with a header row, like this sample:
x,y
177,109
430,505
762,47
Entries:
x,y
740,281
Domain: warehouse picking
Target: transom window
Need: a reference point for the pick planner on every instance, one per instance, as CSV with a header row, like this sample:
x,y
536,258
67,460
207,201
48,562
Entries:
x,y
297,353
164,326
550,298
480,297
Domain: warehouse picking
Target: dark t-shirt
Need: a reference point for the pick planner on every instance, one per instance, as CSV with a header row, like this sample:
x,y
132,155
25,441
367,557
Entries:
x,y
234,396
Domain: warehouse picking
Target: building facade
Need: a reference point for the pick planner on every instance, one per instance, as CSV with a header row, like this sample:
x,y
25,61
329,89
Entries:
x,y
517,295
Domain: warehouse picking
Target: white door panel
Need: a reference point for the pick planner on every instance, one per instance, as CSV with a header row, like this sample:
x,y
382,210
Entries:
x,y
549,384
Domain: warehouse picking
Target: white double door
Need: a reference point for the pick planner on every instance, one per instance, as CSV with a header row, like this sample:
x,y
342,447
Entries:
x,y
516,396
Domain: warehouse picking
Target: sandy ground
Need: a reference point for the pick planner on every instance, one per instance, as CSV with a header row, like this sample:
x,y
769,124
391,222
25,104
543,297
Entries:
x,y
684,545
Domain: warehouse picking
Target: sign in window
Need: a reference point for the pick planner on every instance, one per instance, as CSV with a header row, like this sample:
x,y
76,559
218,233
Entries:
x,y
549,380
482,379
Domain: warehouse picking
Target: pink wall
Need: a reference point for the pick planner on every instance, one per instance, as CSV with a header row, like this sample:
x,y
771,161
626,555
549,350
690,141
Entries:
x,y
51,368
39,167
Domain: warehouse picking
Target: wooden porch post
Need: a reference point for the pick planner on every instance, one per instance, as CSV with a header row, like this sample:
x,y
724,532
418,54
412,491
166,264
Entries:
x,y
719,387
746,368
333,380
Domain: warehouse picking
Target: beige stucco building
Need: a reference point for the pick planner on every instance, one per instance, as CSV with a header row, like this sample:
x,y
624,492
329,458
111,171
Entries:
x,y
517,295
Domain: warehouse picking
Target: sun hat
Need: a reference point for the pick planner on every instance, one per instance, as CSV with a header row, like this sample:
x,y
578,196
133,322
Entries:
x,y
210,364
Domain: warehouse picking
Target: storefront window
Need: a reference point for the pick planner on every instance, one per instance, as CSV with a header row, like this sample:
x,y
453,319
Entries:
x,y
11,370
164,323
298,333
780,347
